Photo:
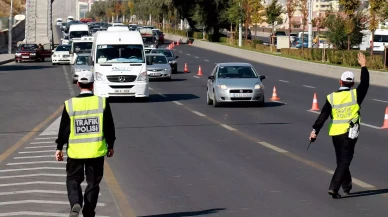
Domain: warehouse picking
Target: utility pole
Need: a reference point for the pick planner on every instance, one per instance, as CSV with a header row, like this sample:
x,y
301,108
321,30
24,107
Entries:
x,y
10,29
239,27
310,18
51,24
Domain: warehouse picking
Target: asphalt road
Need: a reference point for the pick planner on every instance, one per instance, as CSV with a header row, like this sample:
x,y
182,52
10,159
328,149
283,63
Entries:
x,y
176,156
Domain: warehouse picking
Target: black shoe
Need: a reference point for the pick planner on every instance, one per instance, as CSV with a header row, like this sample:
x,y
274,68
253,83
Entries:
x,y
75,210
334,194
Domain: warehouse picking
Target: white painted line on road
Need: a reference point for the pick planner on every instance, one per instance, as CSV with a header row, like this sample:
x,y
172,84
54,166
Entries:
x,y
151,88
207,60
32,152
31,169
39,138
69,83
178,103
37,162
33,175
52,129
40,202
46,142
180,52
162,95
272,147
41,156
355,181
308,86
196,57
31,213
188,54
198,113
378,100
34,192
196,76
362,124
228,127
42,146
284,81
33,183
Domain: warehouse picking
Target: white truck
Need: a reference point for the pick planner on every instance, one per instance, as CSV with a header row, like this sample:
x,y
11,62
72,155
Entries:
x,y
119,65
380,40
82,45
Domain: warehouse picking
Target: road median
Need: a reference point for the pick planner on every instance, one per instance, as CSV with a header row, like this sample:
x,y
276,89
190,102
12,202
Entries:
x,y
376,77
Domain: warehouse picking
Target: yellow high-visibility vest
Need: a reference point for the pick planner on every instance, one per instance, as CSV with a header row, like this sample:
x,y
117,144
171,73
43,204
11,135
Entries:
x,y
86,138
345,109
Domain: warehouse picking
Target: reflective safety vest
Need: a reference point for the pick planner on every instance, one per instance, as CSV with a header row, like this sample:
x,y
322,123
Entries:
x,y
345,109
86,138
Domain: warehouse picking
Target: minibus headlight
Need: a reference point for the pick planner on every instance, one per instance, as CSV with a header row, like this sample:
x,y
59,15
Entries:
x,y
142,76
99,76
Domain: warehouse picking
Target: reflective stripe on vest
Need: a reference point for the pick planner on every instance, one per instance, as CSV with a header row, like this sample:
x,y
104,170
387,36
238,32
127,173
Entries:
x,y
345,110
86,138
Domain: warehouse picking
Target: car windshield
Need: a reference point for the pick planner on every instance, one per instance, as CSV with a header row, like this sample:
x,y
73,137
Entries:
x,y
28,47
120,54
156,60
381,38
78,34
148,39
167,53
82,60
147,50
63,48
236,72
82,46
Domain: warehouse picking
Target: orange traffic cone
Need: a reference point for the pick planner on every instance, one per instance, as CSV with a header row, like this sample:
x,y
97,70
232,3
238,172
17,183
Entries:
x,y
172,44
385,125
186,68
274,95
199,71
177,42
315,106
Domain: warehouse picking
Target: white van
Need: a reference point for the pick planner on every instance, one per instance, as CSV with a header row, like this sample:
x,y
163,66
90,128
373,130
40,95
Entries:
x,y
78,31
118,29
83,45
380,40
59,21
119,65
70,18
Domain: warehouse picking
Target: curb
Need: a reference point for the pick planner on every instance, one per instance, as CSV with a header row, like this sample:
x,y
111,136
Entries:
x,y
2,62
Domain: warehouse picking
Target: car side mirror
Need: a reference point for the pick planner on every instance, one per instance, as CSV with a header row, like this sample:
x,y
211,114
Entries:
x,y
211,77
262,77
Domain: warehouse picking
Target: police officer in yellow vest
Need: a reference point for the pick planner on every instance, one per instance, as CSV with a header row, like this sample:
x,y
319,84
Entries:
x,y
88,129
343,106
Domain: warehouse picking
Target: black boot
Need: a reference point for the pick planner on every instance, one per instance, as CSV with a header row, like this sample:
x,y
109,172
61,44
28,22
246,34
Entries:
x,y
334,194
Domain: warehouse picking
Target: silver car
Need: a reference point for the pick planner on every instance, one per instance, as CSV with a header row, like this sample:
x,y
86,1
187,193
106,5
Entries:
x,y
80,64
158,66
235,82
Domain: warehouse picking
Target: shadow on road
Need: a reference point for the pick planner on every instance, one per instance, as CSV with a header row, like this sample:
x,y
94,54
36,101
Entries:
x,y
367,193
24,67
183,214
154,98
172,80
251,104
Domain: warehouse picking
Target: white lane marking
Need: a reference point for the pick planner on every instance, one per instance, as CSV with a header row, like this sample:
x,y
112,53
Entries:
x,y
188,54
308,86
196,77
35,183
41,156
198,113
378,100
42,146
46,142
34,192
151,88
284,81
32,152
363,124
40,202
52,129
46,138
162,95
31,169
178,103
33,175
30,213
37,162
180,52
228,127
355,181
69,82
207,60
272,147
196,57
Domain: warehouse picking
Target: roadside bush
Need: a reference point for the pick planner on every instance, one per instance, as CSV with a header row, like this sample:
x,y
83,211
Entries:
x,y
263,48
375,62
198,35
223,39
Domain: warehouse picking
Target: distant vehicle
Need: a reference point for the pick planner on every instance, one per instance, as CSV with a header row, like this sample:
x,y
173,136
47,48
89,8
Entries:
x,y
132,27
117,24
68,24
158,66
235,82
61,55
31,52
118,29
119,65
80,64
298,42
85,20
70,18
82,45
65,39
150,41
78,31
172,59
63,26
59,21
249,35
293,36
380,40
148,50
148,27
159,35
95,30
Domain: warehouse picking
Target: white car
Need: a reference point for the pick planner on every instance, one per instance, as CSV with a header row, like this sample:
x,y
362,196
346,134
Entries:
x,y
61,55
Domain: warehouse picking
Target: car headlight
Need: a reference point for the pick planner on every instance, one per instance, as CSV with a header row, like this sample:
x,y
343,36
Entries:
x,y
32,54
151,45
222,86
79,70
142,76
172,62
259,86
18,54
99,76
166,69
54,55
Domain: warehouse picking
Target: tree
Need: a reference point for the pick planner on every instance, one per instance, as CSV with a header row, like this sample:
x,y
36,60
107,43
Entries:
x,y
290,7
349,7
257,12
273,11
304,11
383,12
375,6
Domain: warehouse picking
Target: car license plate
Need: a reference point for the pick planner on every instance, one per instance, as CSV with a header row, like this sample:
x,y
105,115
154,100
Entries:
x,y
241,95
25,57
122,91
155,74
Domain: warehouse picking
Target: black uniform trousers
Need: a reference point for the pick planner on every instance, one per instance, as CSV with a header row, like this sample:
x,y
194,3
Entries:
x,y
94,170
344,150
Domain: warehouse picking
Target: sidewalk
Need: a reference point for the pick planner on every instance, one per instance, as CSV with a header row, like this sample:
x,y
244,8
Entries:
x,y
5,57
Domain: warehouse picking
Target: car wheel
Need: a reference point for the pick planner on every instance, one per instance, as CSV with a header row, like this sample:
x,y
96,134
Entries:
x,y
215,103
261,103
208,100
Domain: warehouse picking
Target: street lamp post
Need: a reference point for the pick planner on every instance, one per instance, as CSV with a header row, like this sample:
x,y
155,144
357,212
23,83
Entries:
x,y
10,29
239,27
310,18
51,24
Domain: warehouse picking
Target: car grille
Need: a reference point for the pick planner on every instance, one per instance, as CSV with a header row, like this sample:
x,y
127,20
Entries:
x,y
121,86
240,98
239,91
155,70
127,78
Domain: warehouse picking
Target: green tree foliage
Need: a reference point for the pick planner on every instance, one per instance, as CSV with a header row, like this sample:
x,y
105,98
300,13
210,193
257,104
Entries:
x,y
291,6
304,11
273,11
375,6
349,7
383,12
